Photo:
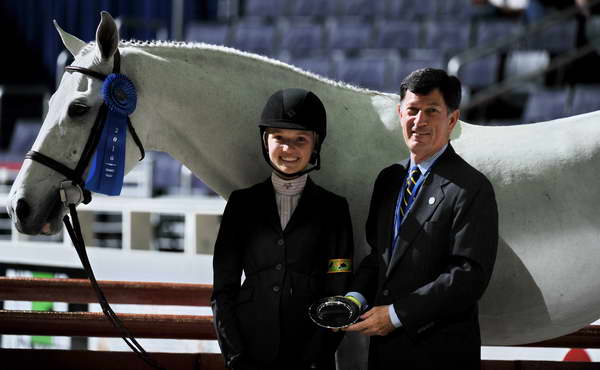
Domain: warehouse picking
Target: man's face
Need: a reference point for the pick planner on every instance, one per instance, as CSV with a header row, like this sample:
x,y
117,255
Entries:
x,y
426,123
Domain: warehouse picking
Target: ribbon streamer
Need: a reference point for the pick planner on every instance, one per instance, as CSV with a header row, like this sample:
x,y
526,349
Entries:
x,y
108,163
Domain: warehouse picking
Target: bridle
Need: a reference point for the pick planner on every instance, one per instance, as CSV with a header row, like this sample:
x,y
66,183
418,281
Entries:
x,y
72,192
76,175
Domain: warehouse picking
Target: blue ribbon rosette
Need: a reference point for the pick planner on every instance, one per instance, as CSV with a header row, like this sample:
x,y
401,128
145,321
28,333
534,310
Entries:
x,y
108,163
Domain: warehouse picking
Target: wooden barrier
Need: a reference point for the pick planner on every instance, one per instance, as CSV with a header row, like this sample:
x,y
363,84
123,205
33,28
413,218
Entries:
x,y
95,324
588,337
101,360
163,326
80,291
537,365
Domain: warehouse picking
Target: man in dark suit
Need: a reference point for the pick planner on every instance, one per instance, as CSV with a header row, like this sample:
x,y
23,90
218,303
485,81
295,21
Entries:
x,y
433,230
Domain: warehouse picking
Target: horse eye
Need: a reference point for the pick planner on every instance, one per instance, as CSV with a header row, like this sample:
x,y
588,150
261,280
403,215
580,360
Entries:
x,y
77,109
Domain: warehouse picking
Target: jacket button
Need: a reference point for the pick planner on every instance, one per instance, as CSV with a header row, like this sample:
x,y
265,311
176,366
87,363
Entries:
x,y
386,292
276,288
278,266
280,242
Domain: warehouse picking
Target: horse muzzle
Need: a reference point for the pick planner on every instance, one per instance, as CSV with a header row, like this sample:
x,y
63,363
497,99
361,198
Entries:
x,y
47,222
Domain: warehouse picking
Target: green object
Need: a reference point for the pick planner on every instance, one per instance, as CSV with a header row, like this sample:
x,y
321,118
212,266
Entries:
x,y
43,340
41,306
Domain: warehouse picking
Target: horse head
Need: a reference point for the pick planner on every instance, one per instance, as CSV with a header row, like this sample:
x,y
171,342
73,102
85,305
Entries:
x,y
34,202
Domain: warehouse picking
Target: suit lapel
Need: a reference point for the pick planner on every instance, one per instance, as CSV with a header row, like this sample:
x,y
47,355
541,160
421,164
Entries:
x,y
391,197
430,196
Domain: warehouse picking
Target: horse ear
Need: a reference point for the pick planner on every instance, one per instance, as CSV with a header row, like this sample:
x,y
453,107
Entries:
x,y
72,43
107,35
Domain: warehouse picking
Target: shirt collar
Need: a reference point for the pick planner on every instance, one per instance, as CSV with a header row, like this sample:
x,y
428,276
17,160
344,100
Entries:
x,y
288,187
426,164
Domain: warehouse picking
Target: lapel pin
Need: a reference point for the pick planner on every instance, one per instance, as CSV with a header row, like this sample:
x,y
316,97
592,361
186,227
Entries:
x,y
431,200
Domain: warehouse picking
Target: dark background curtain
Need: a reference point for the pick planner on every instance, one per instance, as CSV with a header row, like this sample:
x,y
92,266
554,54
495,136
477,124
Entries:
x,y
31,44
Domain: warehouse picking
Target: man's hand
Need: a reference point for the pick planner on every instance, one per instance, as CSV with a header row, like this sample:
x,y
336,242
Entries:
x,y
376,321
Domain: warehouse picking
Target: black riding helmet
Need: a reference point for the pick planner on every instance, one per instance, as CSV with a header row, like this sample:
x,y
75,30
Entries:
x,y
295,109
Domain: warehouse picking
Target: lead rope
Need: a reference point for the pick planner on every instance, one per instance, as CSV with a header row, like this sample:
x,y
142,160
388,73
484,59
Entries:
x,y
71,195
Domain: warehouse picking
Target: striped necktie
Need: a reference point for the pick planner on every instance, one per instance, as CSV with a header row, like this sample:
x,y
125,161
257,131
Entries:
x,y
411,181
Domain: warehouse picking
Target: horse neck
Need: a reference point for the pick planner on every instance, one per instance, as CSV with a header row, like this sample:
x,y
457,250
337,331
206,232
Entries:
x,y
202,105
194,105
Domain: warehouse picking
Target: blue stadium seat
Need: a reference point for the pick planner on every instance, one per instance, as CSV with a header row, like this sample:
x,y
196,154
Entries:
x,y
397,34
300,37
545,105
312,8
368,71
448,36
558,38
255,36
586,98
166,173
481,72
199,187
456,9
264,8
24,135
412,9
364,8
319,64
210,33
417,59
348,34
490,31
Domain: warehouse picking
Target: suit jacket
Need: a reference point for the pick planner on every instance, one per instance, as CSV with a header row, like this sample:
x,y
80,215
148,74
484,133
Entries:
x,y
440,267
266,318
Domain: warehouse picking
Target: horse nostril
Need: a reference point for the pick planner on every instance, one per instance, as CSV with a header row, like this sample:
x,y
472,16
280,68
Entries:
x,y
23,209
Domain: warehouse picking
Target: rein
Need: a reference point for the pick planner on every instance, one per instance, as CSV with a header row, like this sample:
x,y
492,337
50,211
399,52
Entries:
x,y
72,192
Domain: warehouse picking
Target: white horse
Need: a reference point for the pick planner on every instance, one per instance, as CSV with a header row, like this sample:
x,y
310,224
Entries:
x,y
201,104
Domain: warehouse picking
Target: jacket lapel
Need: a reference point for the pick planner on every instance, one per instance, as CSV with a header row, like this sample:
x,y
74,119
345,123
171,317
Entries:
x,y
430,196
270,211
302,209
392,193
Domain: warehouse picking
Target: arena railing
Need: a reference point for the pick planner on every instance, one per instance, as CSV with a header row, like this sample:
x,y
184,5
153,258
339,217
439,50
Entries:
x,y
95,324
162,326
200,214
